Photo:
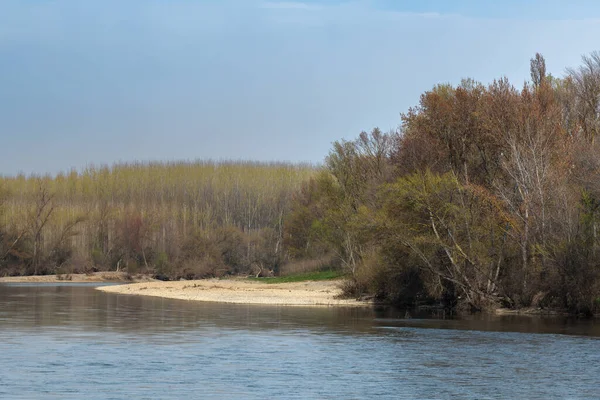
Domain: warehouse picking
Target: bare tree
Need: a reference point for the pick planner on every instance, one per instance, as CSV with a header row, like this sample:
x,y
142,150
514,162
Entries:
x,y
38,218
586,81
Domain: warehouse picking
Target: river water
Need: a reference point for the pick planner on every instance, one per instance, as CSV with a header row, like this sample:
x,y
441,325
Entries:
x,y
74,342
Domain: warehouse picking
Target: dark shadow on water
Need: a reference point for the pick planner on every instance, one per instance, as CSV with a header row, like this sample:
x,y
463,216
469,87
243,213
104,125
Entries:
x,y
390,316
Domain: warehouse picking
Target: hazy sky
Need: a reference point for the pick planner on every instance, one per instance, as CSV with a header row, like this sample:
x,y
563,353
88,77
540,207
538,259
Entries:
x,y
92,82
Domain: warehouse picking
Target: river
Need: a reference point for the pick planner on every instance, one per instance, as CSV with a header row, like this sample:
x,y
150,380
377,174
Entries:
x,y
69,341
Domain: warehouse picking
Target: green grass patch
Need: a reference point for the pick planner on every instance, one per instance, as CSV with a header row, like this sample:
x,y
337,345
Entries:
x,y
307,276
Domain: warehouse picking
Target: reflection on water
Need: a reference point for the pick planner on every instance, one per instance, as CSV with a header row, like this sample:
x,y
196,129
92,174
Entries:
x,y
82,308
63,341
501,323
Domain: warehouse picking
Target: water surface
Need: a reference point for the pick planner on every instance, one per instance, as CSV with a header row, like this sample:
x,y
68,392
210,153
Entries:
x,y
60,341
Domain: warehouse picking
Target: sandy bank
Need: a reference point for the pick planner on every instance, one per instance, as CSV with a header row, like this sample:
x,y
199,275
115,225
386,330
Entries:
x,y
78,278
310,293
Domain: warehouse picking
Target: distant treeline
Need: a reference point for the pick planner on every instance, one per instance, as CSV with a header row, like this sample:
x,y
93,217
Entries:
x,y
174,219
486,196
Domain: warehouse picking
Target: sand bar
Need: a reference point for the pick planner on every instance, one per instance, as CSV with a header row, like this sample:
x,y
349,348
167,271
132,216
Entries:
x,y
242,291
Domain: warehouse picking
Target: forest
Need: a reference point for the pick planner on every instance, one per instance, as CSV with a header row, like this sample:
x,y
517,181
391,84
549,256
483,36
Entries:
x,y
174,220
486,196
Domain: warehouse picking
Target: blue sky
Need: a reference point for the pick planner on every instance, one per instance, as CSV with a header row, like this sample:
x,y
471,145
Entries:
x,y
93,82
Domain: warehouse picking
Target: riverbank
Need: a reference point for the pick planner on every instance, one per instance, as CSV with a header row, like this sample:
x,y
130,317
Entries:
x,y
532,311
243,291
106,276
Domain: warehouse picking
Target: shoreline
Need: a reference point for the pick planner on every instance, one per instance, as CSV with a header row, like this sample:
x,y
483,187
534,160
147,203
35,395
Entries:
x,y
96,277
535,312
238,291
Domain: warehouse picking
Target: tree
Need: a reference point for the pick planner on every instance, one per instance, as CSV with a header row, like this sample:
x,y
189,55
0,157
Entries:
x,y
455,232
358,169
538,70
586,83
38,218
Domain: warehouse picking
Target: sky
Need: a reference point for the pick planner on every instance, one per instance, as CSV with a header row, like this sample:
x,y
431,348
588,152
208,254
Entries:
x,y
97,82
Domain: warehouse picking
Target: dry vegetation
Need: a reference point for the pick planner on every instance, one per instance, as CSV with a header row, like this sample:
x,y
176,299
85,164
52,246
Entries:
x,y
173,219
488,195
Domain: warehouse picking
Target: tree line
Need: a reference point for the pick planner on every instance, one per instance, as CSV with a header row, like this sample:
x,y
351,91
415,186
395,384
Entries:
x,y
487,196
177,220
